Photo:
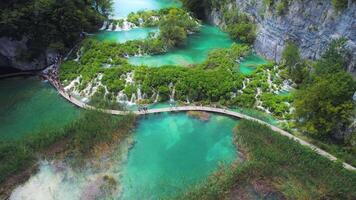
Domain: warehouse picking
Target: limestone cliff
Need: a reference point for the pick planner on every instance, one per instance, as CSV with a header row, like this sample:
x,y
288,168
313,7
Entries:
x,y
311,24
12,55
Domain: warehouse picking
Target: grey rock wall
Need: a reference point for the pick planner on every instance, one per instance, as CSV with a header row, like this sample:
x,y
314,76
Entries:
x,y
311,24
11,55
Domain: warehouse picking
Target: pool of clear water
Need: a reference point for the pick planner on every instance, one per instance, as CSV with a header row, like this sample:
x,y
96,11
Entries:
x,y
124,36
122,8
195,50
170,153
28,104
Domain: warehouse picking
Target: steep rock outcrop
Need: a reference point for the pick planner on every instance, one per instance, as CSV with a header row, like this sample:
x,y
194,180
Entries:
x,y
12,51
311,24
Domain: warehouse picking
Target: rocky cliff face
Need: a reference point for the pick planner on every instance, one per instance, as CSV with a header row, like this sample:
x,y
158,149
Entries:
x,y
311,24
12,51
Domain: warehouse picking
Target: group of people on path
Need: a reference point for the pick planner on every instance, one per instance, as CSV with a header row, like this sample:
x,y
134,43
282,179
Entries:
x,y
52,75
143,109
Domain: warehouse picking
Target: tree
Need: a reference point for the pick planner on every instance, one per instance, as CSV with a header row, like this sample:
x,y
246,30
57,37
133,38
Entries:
x,y
340,4
325,106
297,69
104,7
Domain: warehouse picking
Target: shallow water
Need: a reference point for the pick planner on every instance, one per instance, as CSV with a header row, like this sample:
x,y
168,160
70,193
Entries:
x,y
250,63
124,36
29,104
122,8
195,51
171,152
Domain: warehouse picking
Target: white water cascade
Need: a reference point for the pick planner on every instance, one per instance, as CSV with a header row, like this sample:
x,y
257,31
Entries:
x,y
139,93
172,89
259,102
157,98
104,26
110,28
133,99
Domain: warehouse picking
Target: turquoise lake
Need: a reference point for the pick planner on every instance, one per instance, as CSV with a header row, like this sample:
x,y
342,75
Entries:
x,y
28,105
195,51
124,36
174,151
122,8
171,152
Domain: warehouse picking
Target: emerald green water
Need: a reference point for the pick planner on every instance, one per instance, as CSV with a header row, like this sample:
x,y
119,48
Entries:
x,y
250,63
124,36
195,51
28,104
171,152
174,151
122,8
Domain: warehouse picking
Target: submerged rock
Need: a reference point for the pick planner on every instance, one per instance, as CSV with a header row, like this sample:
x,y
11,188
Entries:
x,y
203,116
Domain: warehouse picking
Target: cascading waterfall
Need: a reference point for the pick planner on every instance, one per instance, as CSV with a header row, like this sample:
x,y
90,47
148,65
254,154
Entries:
x,y
157,98
187,100
79,54
172,89
259,102
122,97
139,93
133,99
286,87
110,28
104,26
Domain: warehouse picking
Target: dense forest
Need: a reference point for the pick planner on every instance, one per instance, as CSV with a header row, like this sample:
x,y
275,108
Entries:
x,y
50,23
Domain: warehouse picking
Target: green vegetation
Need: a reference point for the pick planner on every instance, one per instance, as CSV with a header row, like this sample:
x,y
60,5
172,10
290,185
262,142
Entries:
x,y
196,6
297,69
48,23
80,138
283,166
213,80
324,104
238,25
175,26
340,4
281,6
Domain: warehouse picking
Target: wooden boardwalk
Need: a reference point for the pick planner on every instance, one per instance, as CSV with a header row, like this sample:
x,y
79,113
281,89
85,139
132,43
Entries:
x,y
206,109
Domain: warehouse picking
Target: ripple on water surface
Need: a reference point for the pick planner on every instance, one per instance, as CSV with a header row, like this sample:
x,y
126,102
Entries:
x,y
171,152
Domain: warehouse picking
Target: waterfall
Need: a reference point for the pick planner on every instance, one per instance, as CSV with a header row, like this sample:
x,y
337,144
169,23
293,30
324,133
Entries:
x,y
79,53
110,27
259,102
118,28
244,83
286,86
172,94
187,100
140,21
269,80
133,98
104,26
157,98
122,97
139,94
127,26
172,89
